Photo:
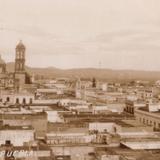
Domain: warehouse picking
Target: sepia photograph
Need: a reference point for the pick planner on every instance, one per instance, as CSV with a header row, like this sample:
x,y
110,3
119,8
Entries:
x,y
79,79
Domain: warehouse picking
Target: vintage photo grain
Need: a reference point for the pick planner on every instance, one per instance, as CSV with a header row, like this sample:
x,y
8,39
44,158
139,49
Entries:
x,y
79,80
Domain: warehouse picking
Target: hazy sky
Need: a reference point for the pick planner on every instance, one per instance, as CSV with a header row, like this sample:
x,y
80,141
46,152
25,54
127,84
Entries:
x,y
117,34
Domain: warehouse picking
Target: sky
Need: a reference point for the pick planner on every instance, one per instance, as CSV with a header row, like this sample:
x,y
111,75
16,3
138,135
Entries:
x,y
116,34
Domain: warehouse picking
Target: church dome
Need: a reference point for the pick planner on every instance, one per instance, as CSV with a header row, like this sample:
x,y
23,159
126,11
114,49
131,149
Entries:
x,y
20,45
2,61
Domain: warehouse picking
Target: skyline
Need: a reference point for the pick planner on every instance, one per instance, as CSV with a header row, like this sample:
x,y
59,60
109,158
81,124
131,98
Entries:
x,y
121,36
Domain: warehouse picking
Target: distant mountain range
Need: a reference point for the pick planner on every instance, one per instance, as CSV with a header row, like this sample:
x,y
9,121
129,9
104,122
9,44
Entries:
x,y
89,73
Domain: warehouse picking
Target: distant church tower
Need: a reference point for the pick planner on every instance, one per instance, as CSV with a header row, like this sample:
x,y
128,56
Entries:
x,y
20,58
20,73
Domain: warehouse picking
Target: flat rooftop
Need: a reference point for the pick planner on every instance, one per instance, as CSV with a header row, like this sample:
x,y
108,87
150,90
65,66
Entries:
x,y
7,127
143,144
31,148
129,153
134,123
71,131
146,110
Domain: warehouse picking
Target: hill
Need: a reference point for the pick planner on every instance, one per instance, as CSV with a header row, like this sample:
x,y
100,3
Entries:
x,y
88,73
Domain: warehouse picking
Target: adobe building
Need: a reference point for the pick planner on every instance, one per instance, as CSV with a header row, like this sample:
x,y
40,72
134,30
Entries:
x,y
17,135
149,115
25,117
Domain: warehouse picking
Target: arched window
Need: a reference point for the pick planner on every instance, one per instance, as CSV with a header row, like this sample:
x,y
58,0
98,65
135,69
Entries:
x,y
147,122
20,66
8,99
144,120
17,100
17,66
8,142
17,55
30,101
24,101
10,81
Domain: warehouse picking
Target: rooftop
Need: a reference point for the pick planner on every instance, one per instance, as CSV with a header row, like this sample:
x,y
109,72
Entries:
x,y
7,127
26,148
146,110
143,144
72,131
129,153
20,45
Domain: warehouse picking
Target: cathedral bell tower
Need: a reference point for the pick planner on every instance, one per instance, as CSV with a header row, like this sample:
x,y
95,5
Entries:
x,y
20,73
20,58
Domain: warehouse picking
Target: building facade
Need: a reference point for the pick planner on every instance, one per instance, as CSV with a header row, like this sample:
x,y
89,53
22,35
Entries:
x,y
147,117
18,78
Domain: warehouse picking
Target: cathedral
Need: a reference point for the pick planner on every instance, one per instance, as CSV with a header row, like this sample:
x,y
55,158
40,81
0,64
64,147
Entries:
x,y
17,79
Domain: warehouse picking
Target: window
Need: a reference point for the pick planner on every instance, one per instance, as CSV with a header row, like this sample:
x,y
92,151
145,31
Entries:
x,y
17,66
24,101
22,55
8,99
17,55
144,120
30,101
21,66
140,119
147,122
17,100
7,142
132,110
127,108
11,81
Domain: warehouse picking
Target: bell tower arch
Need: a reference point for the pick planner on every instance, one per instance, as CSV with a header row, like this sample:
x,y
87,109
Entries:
x,y
20,58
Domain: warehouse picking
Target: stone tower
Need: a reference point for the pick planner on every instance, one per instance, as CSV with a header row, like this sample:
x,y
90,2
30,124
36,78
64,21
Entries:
x,y
20,58
20,73
2,66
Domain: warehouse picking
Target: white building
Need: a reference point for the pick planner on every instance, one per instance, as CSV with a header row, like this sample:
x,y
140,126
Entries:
x,y
73,136
16,135
23,98
103,127
149,116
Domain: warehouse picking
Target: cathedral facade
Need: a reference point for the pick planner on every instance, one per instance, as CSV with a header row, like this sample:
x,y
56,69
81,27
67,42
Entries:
x,y
18,78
